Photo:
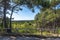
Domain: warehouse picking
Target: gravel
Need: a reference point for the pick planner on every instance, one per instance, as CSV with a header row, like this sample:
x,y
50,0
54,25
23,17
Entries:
x,y
25,38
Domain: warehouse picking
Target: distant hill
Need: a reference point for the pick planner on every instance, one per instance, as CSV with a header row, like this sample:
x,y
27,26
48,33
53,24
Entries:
x,y
22,20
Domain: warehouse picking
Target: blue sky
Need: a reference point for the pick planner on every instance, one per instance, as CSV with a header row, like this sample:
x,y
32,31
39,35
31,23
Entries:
x,y
25,14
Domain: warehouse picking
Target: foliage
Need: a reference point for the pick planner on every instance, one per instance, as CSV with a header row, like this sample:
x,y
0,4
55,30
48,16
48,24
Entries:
x,y
24,27
48,19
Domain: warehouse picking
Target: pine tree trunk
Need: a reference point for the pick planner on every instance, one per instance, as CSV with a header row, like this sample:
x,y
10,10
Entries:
x,y
4,18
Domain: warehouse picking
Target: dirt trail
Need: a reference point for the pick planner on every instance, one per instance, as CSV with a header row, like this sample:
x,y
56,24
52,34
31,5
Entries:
x,y
25,38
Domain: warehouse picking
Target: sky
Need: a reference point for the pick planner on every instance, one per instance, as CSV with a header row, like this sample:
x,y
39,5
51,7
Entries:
x,y
25,14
